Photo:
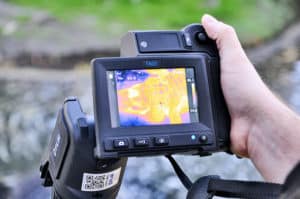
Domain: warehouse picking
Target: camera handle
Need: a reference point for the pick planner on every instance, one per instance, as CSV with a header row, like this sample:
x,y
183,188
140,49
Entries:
x,y
69,165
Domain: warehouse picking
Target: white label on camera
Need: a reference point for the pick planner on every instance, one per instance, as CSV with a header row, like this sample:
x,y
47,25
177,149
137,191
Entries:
x,y
57,144
100,181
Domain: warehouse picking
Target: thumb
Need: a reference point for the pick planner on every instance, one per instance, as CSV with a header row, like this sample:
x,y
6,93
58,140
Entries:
x,y
223,34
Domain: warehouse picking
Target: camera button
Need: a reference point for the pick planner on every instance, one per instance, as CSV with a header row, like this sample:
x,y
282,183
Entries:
x,y
201,37
83,126
141,142
187,40
203,138
121,143
162,140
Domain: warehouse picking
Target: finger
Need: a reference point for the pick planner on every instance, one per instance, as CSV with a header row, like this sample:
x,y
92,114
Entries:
x,y
224,34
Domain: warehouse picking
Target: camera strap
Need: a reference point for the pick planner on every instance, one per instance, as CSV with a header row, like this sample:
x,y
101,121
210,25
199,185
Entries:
x,y
208,186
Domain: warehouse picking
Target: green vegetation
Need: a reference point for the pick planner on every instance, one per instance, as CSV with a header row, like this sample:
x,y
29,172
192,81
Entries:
x,y
254,20
23,19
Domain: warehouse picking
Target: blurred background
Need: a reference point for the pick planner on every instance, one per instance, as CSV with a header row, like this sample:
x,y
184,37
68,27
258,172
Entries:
x,y
45,49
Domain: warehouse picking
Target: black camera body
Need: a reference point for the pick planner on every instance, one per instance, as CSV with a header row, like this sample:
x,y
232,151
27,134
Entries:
x,y
162,96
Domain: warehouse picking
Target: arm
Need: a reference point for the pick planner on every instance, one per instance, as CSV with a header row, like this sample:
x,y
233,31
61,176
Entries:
x,y
262,128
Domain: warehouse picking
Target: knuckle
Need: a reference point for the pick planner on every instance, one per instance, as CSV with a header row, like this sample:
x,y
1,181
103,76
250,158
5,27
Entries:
x,y
227,29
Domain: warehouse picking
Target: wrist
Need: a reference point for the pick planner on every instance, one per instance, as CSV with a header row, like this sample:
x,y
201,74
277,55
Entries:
x,y
273,138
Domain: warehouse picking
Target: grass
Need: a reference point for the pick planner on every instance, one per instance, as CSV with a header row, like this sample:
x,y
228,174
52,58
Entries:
x,y
254,20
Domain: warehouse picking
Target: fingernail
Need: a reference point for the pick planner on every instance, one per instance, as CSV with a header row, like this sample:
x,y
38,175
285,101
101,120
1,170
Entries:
x,y
209,19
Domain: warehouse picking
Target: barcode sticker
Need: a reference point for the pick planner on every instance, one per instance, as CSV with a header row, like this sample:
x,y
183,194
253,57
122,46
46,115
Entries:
x,y
100,181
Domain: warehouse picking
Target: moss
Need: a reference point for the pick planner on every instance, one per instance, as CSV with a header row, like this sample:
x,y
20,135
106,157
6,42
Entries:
x,y
22,19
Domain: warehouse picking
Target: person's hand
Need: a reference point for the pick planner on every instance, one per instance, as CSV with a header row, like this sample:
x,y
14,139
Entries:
x,y
260,123
240,82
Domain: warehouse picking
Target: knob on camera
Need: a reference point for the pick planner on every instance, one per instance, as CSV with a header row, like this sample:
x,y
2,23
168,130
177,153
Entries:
x,y
201,37
196,32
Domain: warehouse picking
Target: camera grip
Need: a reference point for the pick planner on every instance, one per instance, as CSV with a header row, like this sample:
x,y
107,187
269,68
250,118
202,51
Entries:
x,y
220,110
70,165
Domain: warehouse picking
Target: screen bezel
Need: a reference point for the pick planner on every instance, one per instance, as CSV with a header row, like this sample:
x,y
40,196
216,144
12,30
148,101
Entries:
x,y
101,100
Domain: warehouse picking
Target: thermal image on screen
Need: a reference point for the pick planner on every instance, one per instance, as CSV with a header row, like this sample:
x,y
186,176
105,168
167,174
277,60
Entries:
x,y
152,97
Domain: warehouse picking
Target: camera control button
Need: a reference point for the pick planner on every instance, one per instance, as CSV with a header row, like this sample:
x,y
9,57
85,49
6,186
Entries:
x,y
203,138
187,40
162,140
201,37
121,143
83,126
141,142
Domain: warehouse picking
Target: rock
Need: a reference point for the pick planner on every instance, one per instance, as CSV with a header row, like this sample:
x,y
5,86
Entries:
x,y
33,37
42,18
9,28
4,191
288,39
31,188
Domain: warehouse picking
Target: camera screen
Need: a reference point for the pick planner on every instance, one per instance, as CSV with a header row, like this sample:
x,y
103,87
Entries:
x,y
147,97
